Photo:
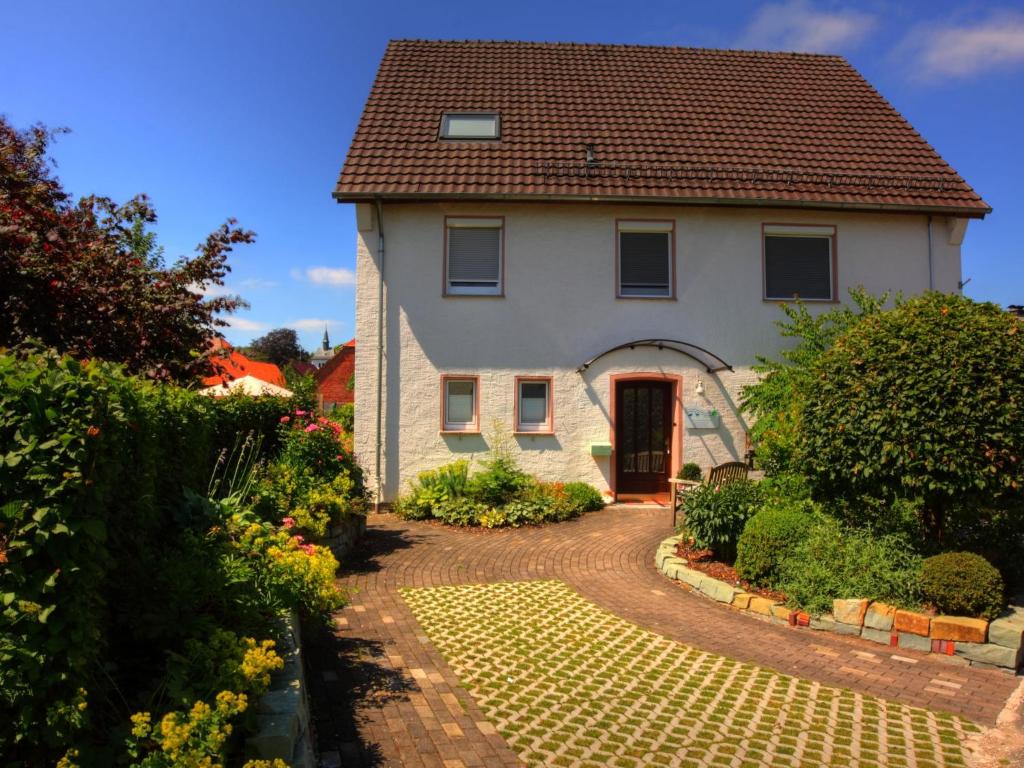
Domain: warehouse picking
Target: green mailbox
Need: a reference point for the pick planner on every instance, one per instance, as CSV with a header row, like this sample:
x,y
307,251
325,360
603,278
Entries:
x,y
600,449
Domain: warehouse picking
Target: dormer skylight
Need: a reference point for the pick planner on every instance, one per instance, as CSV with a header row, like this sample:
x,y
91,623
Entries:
x,y
470,125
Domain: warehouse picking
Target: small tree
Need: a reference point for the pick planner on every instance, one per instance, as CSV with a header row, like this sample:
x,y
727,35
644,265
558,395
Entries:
x,y
775,399
279,346
924,401
88,279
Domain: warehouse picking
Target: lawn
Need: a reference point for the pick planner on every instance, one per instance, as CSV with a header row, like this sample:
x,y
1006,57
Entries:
x,y
567,683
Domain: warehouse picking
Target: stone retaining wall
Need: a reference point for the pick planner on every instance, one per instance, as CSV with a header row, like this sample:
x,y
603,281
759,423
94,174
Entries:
x,y
283,711
976,642
343,535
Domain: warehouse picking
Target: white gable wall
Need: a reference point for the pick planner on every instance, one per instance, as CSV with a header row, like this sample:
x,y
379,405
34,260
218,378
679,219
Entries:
x,y
559,309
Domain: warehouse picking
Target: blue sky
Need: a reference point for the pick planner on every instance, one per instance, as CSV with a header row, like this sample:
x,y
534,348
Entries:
x,y
246,109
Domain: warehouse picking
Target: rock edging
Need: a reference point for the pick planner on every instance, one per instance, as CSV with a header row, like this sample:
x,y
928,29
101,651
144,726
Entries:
x,y
998,644
282,713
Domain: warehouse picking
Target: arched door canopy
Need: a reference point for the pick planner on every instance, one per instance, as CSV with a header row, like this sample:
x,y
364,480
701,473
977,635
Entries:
x,y
712,362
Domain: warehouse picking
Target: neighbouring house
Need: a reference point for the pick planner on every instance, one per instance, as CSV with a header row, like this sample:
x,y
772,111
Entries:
x,y
335,379
324,353
301,367
587,245
228,365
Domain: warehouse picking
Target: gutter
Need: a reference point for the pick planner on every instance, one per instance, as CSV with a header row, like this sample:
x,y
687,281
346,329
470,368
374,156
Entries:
x,y
379,448
931,271
824,205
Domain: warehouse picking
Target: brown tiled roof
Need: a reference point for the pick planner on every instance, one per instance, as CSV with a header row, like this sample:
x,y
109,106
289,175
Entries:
x,y
680,124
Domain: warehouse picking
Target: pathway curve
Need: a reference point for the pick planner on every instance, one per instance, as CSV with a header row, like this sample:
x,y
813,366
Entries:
x,y
384,696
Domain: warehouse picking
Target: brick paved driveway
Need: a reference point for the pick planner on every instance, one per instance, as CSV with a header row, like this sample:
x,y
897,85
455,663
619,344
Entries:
x,y
383,695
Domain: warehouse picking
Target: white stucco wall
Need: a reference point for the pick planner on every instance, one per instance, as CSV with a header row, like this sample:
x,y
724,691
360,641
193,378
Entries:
x,y
560,309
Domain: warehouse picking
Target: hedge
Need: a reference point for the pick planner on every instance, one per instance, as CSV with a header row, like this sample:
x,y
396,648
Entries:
x,y
93,469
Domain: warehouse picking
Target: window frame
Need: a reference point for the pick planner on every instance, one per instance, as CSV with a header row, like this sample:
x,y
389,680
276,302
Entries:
x,y
499,222
442,129
783,229
667,226
547,427
453,428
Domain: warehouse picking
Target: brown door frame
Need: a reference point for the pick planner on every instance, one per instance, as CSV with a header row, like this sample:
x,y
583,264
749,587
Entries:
x,y
675,441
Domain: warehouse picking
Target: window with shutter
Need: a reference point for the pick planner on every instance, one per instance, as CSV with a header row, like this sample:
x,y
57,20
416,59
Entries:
x,y
534,412
459,404
798,263
645,259
473,258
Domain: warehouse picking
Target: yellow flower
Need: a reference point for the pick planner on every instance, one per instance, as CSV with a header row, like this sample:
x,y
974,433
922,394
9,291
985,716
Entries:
x,y
141,725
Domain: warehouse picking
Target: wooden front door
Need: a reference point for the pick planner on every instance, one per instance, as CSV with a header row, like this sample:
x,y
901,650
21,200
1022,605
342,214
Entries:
x,y
643,434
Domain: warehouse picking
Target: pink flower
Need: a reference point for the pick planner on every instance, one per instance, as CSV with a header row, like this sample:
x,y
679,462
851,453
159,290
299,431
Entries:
x,y
312,428
298,539
339,457
301,413
718,488
288,522
309,549
285,419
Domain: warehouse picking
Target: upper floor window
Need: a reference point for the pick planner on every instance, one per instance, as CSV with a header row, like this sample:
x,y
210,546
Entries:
x,y
473,256
645,259
470,125
799,261
534,412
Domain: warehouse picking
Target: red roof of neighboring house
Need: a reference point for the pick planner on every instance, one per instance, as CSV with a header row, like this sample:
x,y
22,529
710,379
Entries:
x,y
302,368
236,365
665,124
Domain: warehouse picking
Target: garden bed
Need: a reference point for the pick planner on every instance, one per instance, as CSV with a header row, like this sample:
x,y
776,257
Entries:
x,y
997,644
703,560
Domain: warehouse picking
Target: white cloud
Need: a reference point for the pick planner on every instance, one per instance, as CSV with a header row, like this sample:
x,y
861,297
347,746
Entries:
x,y
244,324
966,49
313,324
253,283
211,291
794,25
330,276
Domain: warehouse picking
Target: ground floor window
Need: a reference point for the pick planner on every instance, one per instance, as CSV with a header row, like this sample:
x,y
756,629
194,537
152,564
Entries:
x,y
460,404
533,406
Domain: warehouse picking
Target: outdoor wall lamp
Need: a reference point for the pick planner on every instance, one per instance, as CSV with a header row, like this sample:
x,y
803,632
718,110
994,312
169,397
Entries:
x,y
699,389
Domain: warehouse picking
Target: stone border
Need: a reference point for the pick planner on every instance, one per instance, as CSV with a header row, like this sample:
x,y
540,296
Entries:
x,y
343,535
998,644
282,713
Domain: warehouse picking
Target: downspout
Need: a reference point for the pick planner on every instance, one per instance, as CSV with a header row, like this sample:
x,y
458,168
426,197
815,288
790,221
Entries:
x,y
380,351
931,272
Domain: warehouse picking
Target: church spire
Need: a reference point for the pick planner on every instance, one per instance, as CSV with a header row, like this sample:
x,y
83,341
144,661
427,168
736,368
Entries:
x,y
327,340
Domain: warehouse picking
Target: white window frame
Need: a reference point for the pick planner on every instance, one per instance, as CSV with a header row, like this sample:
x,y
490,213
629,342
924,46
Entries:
x,y
544,427
469,427
474,222
446,119
826,232
664,226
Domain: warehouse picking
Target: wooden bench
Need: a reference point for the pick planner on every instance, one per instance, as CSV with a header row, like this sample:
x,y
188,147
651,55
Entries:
x,y
720,475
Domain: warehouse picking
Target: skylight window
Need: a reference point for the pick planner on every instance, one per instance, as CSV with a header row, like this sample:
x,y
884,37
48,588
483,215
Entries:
x,y
470,125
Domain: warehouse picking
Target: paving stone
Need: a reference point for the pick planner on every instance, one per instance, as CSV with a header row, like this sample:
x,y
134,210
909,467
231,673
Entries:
x,y
742,600
849,611
912,622
914,642
883,637
987,653
718,590
373,713
879,616
825,622
1007,632
761,605
959,628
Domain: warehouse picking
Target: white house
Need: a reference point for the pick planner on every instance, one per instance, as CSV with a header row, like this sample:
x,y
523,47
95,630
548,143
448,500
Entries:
x,y
586,245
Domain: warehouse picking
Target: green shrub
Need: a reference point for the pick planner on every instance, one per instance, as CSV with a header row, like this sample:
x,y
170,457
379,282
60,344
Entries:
x,y
460,510
689,471
108,566
715,515
924,401
346,416
500,482
834,563
962,584
768,540
583,496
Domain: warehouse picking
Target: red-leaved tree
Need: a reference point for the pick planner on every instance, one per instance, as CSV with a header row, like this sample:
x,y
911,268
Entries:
x,y
85,278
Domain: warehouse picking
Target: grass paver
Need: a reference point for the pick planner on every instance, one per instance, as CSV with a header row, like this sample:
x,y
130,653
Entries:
x,y
586,678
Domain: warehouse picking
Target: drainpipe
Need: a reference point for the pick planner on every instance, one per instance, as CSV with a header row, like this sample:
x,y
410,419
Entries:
x,y
931,274
380,351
